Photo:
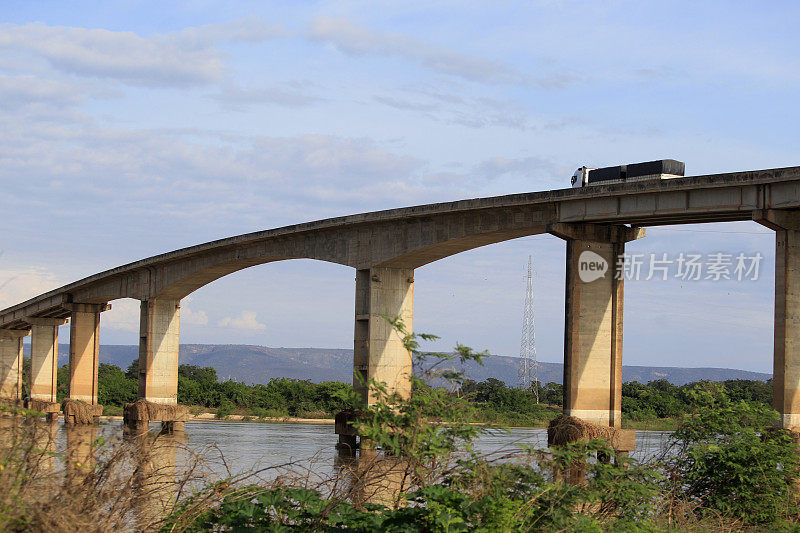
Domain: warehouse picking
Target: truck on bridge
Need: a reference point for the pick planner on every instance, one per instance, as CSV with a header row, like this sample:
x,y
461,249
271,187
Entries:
x,y
650,170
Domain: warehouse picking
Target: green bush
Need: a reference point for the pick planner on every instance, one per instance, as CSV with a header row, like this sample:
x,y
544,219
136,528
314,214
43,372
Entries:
x,y
112,410
258,412
225,409
443,484
730,462
115,389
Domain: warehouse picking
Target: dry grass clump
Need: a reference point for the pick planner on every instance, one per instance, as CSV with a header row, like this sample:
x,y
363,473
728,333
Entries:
x,y
81,413
565,429
89,485
42,406
144,411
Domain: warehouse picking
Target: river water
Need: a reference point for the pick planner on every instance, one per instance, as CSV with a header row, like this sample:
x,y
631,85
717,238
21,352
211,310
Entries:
x,y
234,448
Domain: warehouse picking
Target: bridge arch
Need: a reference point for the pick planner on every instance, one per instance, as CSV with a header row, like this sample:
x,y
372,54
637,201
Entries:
x,y
385,247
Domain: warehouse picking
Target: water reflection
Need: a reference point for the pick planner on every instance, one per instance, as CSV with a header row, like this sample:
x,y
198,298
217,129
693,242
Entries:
x,y
368,476
156,477
80,456
155,465
41,458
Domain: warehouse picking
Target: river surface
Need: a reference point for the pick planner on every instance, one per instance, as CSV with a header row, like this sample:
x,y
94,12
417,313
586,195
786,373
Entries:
x,y
233,448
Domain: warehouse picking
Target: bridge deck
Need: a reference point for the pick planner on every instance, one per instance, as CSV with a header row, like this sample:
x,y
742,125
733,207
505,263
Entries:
x,y
699,199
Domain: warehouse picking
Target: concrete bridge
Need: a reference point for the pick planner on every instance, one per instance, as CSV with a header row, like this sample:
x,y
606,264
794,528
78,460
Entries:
x,y
385,247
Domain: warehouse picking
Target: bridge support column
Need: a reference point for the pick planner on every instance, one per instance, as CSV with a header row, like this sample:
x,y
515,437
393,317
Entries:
x,y
84,351
44,365
786,360
159,337
593,321
11,365
84,362
593,338
378,350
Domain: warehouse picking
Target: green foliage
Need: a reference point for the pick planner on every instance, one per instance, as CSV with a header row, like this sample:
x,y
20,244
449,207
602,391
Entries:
x,y
114,388
511,498
496,402
490,401
62,382
445,486
725,462
132,372
403,426
225,409
661,399
729,461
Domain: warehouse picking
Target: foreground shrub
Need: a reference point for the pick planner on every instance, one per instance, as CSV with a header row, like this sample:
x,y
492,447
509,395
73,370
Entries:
x,y
725,471
92,487
225,409
427,477
727,460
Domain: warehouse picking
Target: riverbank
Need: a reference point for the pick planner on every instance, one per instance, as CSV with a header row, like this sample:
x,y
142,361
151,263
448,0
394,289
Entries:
x,y
211,417
660,424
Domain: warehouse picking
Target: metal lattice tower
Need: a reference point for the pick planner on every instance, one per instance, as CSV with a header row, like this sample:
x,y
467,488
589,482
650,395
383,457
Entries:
x,y
528,364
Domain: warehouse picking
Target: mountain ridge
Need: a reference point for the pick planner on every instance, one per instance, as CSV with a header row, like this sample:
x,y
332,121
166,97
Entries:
x,y
259,364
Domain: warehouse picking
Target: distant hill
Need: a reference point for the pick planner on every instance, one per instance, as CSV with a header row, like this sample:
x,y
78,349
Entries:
x,y
258,364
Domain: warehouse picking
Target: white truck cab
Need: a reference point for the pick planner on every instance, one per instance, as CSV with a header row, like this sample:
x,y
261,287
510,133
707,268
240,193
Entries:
x,y
581,177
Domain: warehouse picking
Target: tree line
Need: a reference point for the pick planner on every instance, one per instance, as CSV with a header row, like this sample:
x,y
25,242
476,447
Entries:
x,y
492,400
640,402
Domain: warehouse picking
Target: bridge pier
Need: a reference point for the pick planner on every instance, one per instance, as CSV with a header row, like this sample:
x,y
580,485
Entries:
x,y
159,338
84,361
593,338
378,349
11,365
786,362
44,365
593,322
786,358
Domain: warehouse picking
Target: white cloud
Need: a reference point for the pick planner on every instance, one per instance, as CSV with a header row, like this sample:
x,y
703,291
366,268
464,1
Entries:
x,y
185,177
20,284
182,58
237,98
455,109
123,315
196,318
249,29
23,90
356,40
245,320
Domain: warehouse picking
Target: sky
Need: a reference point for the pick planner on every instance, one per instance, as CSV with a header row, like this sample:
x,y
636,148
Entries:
x,y
135,128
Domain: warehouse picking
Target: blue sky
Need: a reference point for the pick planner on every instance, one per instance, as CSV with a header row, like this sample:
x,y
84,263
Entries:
x,y
139,127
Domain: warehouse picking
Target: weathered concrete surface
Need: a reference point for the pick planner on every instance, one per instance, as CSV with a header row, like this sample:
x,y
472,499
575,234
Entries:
x,y
786,363
379,352
44,358
84,351
159,332
590,359
593,325
786,377
11,364
386,246
414,236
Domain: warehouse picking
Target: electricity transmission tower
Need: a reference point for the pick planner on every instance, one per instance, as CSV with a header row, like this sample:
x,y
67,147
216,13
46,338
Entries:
x,y
528,365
